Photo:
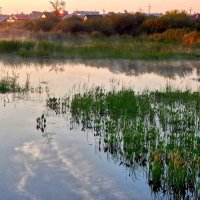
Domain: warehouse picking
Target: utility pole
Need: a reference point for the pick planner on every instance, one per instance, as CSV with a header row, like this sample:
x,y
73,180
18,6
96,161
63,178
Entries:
x,y
140,10
0,10
149,6
190,11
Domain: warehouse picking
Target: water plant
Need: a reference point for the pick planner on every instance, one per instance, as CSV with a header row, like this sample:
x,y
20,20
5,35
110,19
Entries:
x,y
9,83
58,105
156,131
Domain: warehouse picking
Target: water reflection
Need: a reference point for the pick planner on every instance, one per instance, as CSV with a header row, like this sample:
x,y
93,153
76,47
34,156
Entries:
x,y
75,177
166,69
67,162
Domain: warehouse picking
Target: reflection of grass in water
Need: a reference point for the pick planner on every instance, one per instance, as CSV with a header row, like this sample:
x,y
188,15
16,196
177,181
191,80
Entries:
x,y
157,131
9,83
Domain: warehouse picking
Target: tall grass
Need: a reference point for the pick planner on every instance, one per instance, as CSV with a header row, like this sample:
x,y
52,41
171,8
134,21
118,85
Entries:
x,y
124,47
158,132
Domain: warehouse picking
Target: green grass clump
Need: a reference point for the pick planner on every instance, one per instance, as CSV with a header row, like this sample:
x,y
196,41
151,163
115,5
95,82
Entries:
x,y
156,131
9,84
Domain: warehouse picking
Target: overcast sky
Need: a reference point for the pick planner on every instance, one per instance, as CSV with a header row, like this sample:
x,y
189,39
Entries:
x,y
26,6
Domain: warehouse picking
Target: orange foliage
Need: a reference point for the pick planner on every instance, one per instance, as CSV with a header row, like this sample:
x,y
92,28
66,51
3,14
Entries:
x,y
192,38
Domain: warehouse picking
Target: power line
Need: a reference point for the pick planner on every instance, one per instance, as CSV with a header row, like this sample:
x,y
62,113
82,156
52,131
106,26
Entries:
x,y
149,6
190,11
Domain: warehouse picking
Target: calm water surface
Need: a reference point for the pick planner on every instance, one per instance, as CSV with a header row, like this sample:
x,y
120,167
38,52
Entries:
x,y
59,163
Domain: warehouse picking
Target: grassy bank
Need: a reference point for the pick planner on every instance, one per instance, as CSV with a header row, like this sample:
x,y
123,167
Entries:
x,y
157,132
102,48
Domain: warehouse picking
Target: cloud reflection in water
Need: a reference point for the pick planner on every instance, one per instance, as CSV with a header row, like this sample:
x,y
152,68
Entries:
x,y
77,174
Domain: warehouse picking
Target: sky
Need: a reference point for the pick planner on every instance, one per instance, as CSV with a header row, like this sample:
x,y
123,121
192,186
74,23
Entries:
x,y
157,6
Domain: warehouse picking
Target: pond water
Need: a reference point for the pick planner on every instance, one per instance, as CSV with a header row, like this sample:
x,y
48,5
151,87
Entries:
x,y
59,163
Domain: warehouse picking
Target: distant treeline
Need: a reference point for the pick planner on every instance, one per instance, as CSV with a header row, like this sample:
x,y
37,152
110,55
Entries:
x,y
119,24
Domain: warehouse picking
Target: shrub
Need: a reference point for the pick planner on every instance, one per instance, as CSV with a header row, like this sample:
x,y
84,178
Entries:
x,y
177,19
126,23
70,25
99,24
96,34
192,38
170,34
42,24
197,24
45,24
154,25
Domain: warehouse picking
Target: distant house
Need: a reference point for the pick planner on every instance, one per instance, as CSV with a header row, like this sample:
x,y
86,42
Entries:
x,y
35,15
18,17
46,15
22,17
3,18
154,14
196,16
11,19
86,17
66,16
82,14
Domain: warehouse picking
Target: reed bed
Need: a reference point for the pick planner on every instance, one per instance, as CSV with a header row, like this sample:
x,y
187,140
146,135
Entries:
x,y
156,131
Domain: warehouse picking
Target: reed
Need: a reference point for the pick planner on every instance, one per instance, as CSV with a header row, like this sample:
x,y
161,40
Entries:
x,y
156,131
10,84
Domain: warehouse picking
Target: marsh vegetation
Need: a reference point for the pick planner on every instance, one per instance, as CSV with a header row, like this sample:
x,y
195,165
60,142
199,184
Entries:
x,y
144,143
157,132
9,84
117,47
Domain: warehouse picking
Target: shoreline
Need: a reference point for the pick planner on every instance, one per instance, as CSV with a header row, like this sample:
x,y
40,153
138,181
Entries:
x,y
128,49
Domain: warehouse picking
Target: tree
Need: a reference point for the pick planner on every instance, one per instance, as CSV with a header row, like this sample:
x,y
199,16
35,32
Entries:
x,y
177,19
58,6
